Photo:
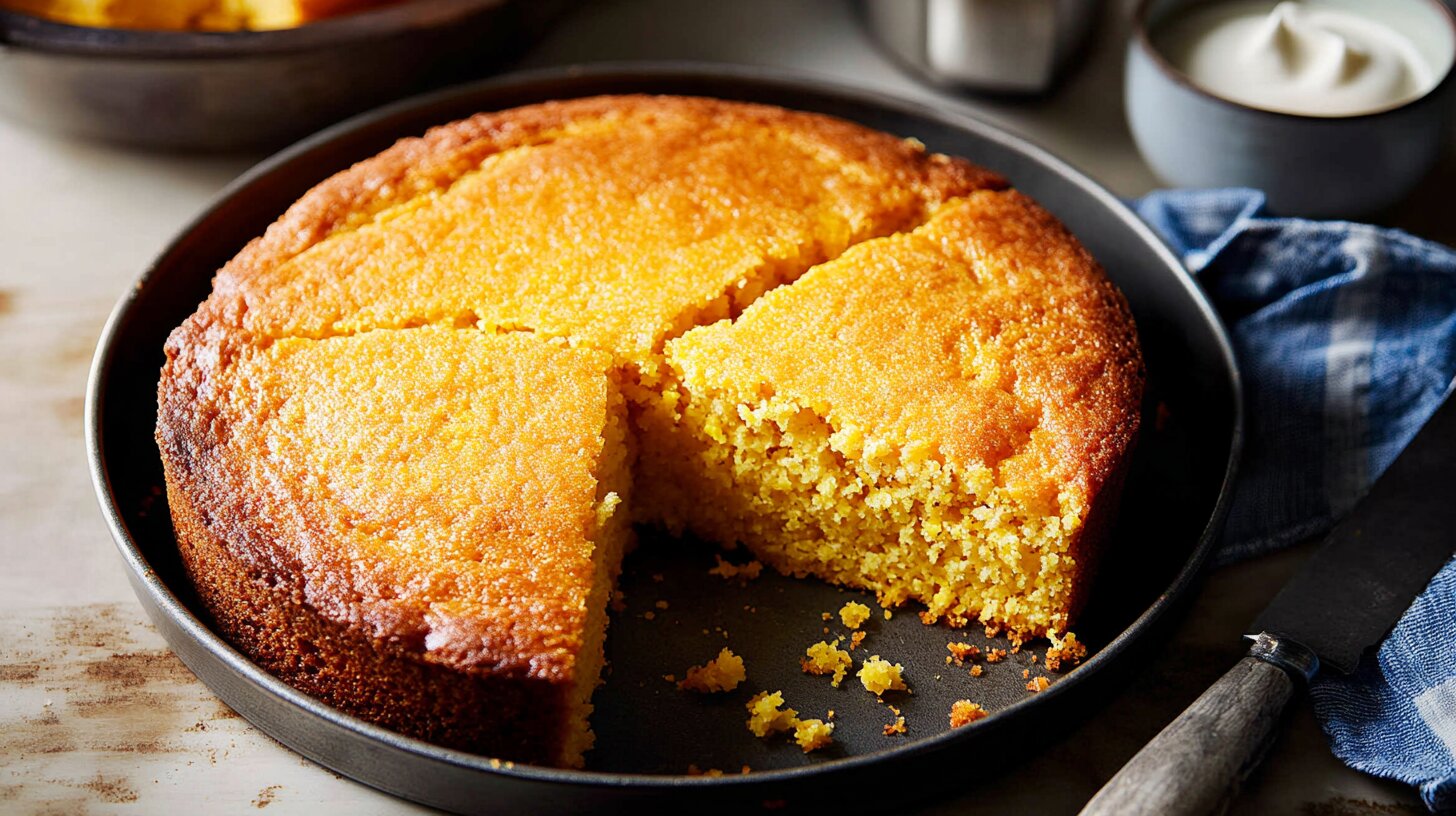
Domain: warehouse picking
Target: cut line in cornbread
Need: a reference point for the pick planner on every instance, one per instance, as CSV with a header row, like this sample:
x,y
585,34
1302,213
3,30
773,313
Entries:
x,y
940,416
861,360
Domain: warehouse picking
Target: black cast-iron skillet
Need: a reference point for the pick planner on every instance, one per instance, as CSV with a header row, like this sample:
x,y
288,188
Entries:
x,y
650,735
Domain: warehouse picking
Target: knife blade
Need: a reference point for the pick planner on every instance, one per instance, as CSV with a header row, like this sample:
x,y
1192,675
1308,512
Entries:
x,y
1343,600
1350,593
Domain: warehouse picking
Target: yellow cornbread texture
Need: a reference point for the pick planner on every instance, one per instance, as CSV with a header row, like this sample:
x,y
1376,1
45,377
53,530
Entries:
x,y
854,614
177,15
827,658
861,360
965,712
472,507
811,735
722,673
766,715
938,435
879,675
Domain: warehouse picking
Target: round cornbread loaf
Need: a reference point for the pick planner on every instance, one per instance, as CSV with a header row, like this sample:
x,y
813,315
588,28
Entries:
x,y
406,434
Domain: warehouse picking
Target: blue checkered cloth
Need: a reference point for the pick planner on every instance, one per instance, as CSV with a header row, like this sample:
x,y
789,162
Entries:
x,y
1346,335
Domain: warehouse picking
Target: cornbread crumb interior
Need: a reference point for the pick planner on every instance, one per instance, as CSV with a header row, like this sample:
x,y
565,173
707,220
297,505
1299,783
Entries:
x,y
859,360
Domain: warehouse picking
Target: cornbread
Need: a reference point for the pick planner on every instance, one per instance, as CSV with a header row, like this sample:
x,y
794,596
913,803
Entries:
x,y
879,675
179,15
722,673
811,735
854,614
766,714
405,434
437,512
942,436
965,712
826,658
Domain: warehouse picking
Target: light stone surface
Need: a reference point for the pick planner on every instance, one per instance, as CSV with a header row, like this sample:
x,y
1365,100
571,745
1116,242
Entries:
x,y
83,732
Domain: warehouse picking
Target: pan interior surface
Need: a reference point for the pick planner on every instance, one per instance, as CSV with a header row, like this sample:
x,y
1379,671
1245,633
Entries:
x,y
644,723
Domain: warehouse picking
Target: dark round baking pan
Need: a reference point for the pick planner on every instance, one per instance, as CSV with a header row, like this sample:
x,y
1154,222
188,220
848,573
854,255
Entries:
x,y
649,733
211,91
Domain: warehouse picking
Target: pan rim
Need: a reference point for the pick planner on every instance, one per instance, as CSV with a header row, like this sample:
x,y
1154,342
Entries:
x,y
163,599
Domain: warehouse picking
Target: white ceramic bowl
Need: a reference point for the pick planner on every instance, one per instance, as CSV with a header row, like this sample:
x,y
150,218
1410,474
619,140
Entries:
x,y
1312,166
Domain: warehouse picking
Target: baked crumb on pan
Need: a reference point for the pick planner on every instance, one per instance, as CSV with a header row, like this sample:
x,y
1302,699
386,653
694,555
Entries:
x,y
965,712
723,673
826,658
879,676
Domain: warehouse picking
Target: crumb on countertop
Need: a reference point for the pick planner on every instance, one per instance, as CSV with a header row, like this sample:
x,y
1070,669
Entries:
x,y
856,639
1038,683
879,675
827,658
889,614
722,673
995,655
965,712
977,671
897,727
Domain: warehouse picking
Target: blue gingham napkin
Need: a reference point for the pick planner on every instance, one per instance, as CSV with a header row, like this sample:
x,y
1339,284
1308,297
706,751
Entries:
x,y
1346,334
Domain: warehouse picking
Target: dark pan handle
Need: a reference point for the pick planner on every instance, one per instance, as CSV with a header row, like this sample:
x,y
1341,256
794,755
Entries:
x,y
1195,765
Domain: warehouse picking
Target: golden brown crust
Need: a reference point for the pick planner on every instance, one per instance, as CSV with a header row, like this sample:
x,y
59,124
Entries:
x,y
354,257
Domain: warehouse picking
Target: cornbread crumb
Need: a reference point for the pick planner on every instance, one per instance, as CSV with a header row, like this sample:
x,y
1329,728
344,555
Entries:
x,y
897,727
830,715
825,616
992,630
765,717
812,735
657,577
977,671
965,712
743,572
722,673
928,618
855,640
649,615
1025,673
827,658
879,675
995,655
1038,684
889,614
961,652
661,604
619,600
1066,648
694,770
671,678
853,614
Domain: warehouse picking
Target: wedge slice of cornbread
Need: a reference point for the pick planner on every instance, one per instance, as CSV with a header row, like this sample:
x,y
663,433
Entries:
x,y
939,415
419,527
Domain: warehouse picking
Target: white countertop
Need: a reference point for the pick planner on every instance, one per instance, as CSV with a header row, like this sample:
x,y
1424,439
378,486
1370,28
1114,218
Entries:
x,y
82,731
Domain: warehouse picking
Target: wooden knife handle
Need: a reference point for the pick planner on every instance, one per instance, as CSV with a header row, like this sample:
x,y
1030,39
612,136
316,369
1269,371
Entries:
x,y
1195,765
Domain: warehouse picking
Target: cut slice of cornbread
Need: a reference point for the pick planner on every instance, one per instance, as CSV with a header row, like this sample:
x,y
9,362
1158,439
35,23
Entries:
x,y
939,415
616,222
419,527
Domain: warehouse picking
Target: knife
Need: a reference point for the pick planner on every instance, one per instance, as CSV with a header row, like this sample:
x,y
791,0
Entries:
x,y
1343,600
